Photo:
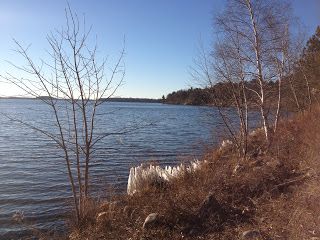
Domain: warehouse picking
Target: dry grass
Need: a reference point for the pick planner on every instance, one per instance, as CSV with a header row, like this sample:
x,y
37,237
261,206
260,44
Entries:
x,y
276,192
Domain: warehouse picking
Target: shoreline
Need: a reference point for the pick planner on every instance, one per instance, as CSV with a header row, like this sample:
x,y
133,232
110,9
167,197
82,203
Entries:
x,y
239,192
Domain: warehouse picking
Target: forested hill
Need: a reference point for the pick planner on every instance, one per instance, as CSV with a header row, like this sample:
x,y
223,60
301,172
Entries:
x,y
221,94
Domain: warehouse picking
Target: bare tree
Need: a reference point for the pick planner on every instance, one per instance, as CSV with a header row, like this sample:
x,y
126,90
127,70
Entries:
x,y
254,49
229,70
74,82
260,26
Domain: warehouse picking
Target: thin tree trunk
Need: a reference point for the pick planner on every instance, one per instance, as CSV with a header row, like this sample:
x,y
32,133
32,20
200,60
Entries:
x,y
259,71
246,117
278,106
294,94
280,72
308,85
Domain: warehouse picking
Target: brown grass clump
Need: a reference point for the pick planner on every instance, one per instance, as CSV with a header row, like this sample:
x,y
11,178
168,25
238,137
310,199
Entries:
x,y
274,191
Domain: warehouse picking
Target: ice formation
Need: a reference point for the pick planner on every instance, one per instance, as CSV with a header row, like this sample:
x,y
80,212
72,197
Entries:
x,y
141,175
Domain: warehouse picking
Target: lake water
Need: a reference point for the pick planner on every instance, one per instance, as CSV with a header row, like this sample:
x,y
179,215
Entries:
x,y
33,178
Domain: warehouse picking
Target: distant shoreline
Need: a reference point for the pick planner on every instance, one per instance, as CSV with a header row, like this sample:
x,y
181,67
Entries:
x,y
145,100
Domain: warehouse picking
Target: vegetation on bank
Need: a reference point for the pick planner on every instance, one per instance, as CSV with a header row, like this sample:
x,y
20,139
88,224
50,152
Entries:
x,y
273,193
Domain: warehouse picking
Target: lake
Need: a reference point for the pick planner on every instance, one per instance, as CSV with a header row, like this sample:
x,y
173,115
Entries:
x,y
32,169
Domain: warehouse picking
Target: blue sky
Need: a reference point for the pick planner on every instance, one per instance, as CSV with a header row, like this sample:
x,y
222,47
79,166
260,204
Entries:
x,y
161,36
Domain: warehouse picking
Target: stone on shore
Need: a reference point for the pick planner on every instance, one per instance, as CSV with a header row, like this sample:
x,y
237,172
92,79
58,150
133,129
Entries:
x,y
251,235
101,216
151,220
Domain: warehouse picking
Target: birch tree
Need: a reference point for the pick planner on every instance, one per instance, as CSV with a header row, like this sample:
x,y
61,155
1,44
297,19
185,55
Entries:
x,y
260,26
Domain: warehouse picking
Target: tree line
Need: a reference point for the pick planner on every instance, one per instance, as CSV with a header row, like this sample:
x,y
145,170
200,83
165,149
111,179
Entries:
x,y
300,89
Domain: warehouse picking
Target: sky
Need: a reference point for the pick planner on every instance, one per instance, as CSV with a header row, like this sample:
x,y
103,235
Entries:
x,y
161,37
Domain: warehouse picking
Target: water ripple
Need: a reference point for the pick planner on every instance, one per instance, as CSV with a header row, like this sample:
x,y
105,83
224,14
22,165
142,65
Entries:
x,y
32,169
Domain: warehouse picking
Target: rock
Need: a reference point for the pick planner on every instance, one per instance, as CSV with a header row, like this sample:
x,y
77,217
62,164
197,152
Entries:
x,y
251,235
151,220
101,216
